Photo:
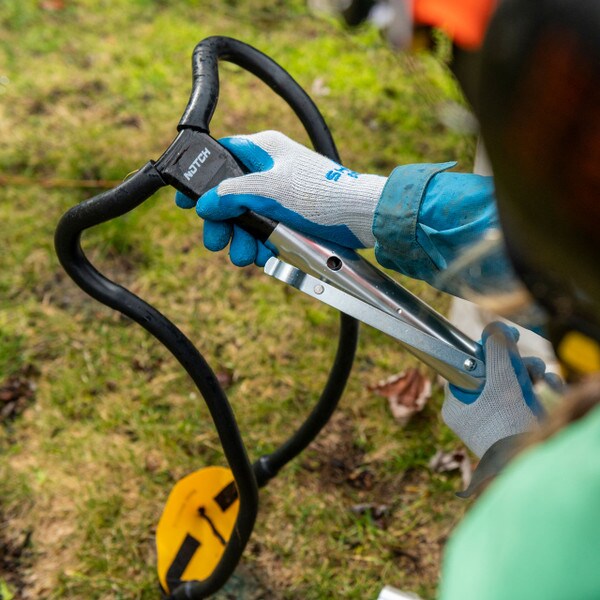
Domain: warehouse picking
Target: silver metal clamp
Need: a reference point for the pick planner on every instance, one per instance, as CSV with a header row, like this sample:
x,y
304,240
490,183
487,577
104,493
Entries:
x,y
343,279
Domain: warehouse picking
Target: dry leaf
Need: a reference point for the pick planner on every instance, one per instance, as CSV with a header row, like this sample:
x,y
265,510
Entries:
x,y
407,393
377,512
320,88
225,377
16,393
458,460
154,461
361,478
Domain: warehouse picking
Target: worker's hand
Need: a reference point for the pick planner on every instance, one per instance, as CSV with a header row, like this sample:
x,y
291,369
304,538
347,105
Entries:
x,y
507,405
292,185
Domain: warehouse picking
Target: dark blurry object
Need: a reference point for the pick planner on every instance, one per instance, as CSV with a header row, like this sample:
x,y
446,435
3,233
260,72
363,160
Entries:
x,y
539,109
392,17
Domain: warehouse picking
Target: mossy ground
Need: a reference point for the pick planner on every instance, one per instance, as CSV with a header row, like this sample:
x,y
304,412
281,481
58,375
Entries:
x,y
92,90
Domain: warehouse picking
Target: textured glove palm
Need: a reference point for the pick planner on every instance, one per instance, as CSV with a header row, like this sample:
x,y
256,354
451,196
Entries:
x,y
507,405
292,185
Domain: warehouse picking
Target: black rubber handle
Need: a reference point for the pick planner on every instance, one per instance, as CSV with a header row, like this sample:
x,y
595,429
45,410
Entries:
x,y
142,186
205,89
197,116
105,207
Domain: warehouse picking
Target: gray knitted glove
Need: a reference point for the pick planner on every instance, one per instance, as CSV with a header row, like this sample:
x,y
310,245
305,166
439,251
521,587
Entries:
x,y
507,405
293,185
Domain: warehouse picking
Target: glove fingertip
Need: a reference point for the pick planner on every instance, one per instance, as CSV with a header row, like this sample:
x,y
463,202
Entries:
x,y
216,235
183,201
500,330
243,249
554,382
207,206
262,255
535,366
516,334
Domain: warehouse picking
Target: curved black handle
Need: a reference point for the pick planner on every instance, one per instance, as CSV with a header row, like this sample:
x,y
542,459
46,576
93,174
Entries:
x,y
110,205
196,117
142,186
205,88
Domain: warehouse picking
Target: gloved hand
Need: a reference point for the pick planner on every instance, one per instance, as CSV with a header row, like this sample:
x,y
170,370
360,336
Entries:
x,y
507,405
292,185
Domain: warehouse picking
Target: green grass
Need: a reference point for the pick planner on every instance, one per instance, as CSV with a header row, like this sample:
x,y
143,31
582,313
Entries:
x,y
94,91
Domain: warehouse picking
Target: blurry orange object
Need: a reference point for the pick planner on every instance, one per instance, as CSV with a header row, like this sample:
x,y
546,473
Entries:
x,y
52,5
465,21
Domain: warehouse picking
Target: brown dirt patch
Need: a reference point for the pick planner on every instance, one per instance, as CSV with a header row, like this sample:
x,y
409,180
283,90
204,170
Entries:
x,y
17,392
15,555
336,459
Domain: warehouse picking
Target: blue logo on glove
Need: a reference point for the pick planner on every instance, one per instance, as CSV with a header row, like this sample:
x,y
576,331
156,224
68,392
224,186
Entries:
x,y
334,175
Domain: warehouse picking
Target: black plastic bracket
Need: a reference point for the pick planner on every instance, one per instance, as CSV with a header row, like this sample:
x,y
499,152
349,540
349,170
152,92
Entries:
x,y
195,162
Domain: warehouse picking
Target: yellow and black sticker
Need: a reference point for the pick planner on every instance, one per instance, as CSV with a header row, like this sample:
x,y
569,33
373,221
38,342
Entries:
x,y
195,525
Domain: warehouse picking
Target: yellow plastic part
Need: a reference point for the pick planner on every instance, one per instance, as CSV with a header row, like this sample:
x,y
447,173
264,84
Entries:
x,y
195,525
580,353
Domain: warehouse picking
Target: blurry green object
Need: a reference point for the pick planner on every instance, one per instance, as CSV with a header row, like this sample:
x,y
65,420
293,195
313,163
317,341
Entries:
x,y
5,593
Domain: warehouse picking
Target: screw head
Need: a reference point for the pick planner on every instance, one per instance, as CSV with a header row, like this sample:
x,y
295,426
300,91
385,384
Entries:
x,y
319,289
469,364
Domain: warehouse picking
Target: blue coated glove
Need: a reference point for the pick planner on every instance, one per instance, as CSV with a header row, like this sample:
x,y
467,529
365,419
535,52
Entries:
x,y
507,405
292,185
